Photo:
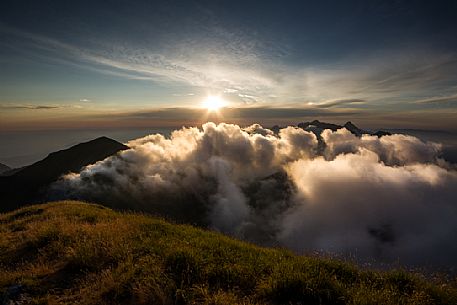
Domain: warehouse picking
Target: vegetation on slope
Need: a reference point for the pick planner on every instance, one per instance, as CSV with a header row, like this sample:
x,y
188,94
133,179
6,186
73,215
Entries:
x,y
72,252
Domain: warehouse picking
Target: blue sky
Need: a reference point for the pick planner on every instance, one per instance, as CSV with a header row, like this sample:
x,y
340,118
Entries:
x,y
103,62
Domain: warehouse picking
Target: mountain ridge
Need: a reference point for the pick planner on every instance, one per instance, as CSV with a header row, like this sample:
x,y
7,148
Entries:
x,y
318,126
33,179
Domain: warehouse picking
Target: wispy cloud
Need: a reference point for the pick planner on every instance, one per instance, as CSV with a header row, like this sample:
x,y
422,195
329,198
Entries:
x,y
339,103
240,72
450,100
10,106
33,107
183,94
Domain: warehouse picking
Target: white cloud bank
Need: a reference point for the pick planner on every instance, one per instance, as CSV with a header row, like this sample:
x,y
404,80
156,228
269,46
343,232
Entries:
x,y
388,199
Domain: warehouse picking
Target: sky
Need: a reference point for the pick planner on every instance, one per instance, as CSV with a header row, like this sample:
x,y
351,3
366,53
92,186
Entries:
x,y
124,64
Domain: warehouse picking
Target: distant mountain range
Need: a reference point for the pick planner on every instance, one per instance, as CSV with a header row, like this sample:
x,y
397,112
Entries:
x,y
28,184
317,127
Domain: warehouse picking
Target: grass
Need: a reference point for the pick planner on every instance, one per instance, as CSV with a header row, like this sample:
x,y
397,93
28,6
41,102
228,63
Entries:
x,y
77,253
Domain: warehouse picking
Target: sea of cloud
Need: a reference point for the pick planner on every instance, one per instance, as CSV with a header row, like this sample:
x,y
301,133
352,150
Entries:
x,y
384,199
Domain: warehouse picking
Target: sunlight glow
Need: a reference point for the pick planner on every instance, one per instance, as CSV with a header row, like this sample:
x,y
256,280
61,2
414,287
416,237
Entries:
x,y
213,103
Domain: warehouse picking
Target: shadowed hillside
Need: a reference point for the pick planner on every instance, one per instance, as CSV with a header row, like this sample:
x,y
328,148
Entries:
x,y
4,168
29,183
72,252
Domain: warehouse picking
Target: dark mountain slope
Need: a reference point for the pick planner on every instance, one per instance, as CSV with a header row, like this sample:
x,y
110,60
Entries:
x,y
28,184
4,168
354,129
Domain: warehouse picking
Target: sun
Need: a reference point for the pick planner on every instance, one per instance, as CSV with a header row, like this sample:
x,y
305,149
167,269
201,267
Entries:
x,y
213,103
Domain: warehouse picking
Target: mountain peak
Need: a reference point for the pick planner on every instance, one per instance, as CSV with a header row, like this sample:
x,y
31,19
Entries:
x,y
36,177
320,126
74,158
354,129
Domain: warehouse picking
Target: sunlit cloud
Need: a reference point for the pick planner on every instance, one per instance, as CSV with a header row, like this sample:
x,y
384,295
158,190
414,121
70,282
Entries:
x,y
283,188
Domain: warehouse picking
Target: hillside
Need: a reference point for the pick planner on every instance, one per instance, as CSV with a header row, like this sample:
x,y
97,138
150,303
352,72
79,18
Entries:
x,y
72,252
4,168
29,184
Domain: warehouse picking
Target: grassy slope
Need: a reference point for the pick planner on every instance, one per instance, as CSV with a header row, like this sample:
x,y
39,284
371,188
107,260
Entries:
x,y
70,252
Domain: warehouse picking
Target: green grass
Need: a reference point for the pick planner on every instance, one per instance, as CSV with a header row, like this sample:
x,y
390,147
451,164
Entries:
x,y
78,253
